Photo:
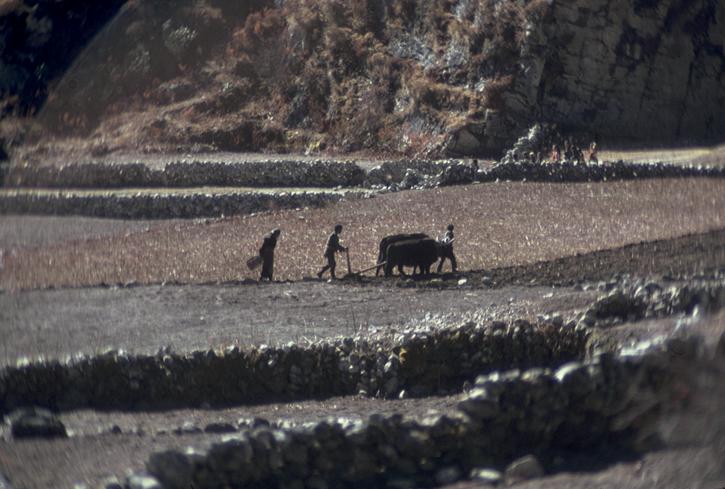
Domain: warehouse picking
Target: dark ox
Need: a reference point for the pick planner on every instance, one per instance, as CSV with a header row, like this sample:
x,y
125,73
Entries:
x,y
421,253
394,238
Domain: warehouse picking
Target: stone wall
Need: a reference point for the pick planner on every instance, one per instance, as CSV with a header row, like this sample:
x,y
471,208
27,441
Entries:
x,y
388,176
161,205
420,363
394,171
614,400
608,171
626,70
192,172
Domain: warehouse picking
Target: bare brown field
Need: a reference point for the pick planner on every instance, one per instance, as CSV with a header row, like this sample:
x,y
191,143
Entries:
x,y
498,224
36,231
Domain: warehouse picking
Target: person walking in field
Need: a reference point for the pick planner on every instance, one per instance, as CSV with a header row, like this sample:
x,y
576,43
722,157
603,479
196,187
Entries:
x,y
555,156
593,153
446,250
333,246
266,252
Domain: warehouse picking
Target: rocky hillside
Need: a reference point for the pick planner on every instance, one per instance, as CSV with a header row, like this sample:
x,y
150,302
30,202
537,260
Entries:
x,y
418,77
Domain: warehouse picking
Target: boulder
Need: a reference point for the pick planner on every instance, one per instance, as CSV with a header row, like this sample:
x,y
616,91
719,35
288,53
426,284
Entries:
x,y
172,468
486,476
111,482
617,304
36,423
448,475
523,469
141,481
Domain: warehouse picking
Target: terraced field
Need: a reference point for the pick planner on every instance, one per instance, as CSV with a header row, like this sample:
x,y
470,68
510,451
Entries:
x,y
583,332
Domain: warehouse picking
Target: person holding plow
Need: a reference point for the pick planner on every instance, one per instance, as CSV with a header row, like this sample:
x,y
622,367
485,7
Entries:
x,y
333,246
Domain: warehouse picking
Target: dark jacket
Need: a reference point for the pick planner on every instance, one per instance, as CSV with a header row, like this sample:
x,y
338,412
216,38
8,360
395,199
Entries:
x,y
333,245
268,245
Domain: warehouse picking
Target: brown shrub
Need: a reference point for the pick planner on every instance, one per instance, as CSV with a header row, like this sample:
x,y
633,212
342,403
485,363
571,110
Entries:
x,y
537,9
495,90
341,52
506,27
337,13
367,16
351,68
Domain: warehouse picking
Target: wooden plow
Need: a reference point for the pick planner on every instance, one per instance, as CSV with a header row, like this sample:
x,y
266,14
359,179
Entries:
x,y
351,274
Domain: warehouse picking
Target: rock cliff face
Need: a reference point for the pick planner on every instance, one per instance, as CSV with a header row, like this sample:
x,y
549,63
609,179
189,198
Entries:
x,y
645,70
417,77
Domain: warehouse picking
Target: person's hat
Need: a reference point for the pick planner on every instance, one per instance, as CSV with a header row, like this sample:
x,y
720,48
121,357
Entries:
x,y
276,231
450,227
338,227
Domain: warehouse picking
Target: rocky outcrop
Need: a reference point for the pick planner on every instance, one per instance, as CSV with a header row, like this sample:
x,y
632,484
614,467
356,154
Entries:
x,y
634,301
625,70
424,78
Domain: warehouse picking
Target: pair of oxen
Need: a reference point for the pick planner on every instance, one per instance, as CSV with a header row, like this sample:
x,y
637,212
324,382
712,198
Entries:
x,y
416,250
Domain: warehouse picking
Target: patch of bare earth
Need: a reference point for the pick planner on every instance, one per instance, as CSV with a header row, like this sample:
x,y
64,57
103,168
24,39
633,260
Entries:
x,y
497,224
57,323
38,231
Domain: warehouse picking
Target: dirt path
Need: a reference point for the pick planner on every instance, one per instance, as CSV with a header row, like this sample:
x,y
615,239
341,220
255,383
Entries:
x,y
143,319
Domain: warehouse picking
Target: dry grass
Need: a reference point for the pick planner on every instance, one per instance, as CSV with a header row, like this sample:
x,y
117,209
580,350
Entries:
x,y
395,77
497,225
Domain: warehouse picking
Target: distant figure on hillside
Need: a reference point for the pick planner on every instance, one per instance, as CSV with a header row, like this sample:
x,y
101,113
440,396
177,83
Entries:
x,y
568,150
446,249
555,156
593,153
267,254
333,246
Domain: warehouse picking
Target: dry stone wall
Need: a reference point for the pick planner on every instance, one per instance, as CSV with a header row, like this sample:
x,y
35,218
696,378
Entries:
x,y
388,176
161,205
612,399
593,172
418,363
192,172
